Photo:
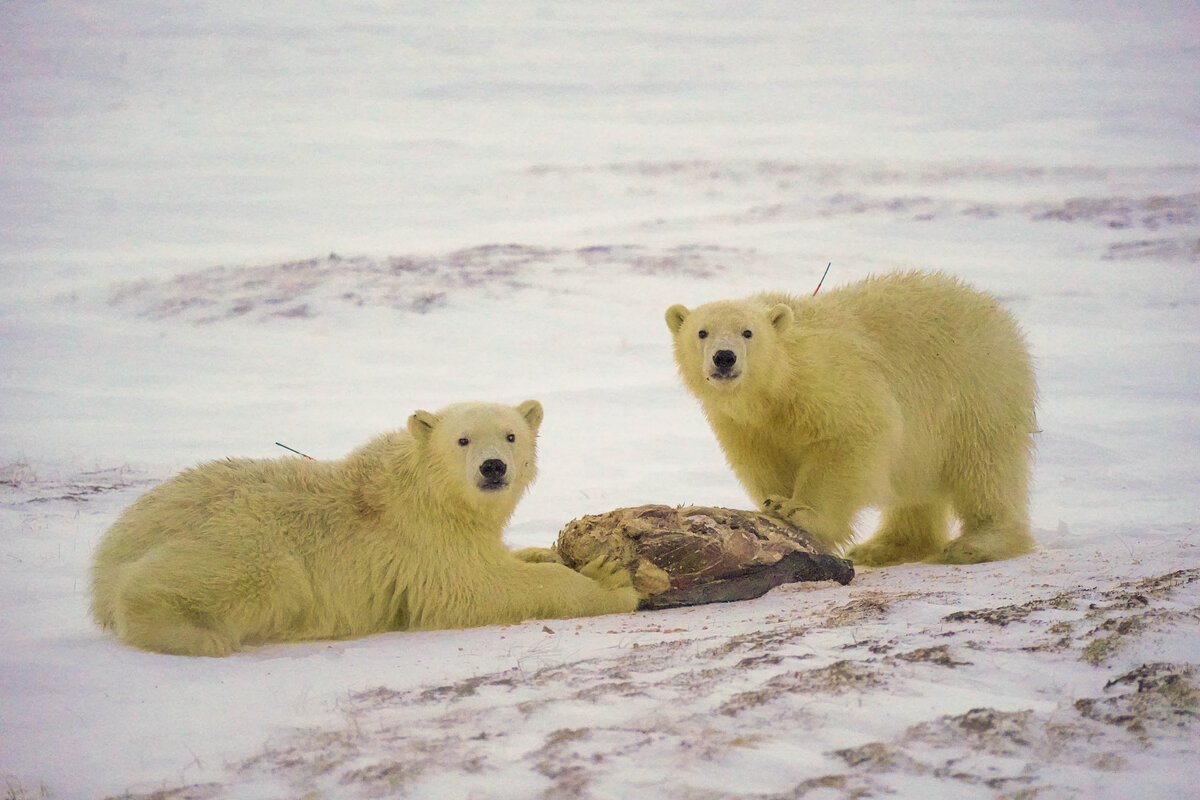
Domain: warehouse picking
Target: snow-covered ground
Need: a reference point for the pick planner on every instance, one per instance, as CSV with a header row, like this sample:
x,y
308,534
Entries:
x,y
229,224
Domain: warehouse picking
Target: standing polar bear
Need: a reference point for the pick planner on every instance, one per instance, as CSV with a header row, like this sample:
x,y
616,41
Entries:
x,y
403,534
911,392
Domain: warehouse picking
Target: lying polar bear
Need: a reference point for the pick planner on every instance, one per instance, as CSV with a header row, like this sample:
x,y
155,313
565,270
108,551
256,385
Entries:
x,y
403,534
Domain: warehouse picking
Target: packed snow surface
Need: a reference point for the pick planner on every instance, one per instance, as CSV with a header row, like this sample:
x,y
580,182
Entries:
x,y
230,224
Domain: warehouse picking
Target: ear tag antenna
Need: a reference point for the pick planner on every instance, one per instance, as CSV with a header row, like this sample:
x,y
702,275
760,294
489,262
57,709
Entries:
x,y
827,266
297,452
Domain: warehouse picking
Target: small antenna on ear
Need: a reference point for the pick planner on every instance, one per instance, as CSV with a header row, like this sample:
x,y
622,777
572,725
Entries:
x,y
827,266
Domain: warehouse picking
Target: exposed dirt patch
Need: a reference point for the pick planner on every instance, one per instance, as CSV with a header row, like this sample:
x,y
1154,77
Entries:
x,y
1149,213
26,485
838,677
299,290
1115,633
1185,248
1159,586
939,655
1004,615
864,607
1162,696
757,642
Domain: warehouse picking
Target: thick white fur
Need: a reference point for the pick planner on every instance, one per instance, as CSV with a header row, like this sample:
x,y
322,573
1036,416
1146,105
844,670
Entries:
x,y
911,392
403,534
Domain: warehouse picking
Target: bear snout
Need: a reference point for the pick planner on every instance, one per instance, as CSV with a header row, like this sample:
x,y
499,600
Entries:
x,y
724,362
493,471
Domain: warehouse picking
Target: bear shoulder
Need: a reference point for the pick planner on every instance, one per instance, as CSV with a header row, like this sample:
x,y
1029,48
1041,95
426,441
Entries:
x,y
379,472
392,449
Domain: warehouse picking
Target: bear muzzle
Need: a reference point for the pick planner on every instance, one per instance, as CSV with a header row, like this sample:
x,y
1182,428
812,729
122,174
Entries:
x,y
492,473
724,366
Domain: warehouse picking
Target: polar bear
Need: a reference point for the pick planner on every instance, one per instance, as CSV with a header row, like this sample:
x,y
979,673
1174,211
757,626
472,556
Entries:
x,y
402,534
910,392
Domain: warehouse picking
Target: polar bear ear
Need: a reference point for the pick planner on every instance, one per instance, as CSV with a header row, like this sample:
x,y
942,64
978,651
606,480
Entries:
x,y
781,317
420,425
676,314
531,410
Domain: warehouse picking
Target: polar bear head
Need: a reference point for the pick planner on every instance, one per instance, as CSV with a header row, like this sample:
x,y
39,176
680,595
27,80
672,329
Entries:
x,y
487,450
723,346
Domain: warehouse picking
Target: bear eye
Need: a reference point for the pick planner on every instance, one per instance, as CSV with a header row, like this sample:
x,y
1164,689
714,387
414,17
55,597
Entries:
x,y
703,334
512,437
463,442
747,333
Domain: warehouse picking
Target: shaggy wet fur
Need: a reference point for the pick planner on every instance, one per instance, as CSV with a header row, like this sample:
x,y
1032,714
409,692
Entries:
x,y
403,534
911,392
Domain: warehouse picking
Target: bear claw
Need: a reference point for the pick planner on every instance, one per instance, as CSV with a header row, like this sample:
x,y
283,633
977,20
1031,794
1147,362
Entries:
x,y
789,510
608,573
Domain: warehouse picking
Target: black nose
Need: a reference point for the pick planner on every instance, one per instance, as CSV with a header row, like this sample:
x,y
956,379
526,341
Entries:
x,y
493,469
724,360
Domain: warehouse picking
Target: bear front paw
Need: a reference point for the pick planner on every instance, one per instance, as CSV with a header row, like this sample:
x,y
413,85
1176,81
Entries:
x,y
787,509
538,555
805,517
608,573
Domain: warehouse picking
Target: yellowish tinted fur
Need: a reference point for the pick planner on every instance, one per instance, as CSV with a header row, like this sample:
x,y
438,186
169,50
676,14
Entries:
x,y
910,392
399,535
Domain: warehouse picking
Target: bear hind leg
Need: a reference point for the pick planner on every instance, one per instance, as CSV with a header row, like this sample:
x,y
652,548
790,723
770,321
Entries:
x,y
181,599
987,539
908,533
157,618
993,505
174,637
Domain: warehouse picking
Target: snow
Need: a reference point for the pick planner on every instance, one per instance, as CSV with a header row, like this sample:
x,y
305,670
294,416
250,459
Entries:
x,y
229,224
